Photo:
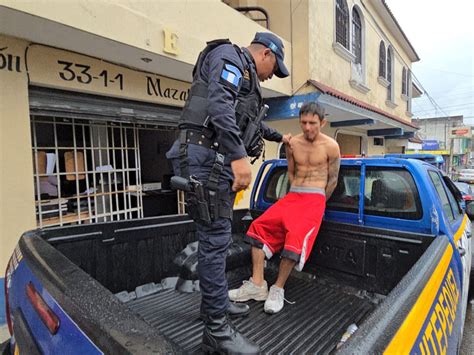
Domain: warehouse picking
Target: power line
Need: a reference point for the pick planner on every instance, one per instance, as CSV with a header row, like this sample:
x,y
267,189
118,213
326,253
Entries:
x,y
435,104
453,97
450,72
450,107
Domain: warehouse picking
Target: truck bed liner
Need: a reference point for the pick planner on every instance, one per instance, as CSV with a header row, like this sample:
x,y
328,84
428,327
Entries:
x,y
314,324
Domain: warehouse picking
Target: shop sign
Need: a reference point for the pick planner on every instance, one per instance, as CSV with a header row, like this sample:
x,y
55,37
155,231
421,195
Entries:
x,y
66,70
430,144
461,132
9,61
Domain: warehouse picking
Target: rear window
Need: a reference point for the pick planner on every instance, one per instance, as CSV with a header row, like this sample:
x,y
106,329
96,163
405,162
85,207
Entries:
x,y
391,192
345,197
277,186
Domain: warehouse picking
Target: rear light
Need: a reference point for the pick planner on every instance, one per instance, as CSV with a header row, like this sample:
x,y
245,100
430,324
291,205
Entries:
x,y
468,198
7,304
49,318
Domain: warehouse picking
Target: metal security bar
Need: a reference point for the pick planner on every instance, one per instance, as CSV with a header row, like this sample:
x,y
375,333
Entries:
x,y
84,171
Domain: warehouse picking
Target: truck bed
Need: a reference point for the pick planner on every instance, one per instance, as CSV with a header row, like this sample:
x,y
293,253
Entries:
x,y
313,324
350,269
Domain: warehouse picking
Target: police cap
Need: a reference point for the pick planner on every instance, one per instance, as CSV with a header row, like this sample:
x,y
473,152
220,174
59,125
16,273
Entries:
x,y
271,41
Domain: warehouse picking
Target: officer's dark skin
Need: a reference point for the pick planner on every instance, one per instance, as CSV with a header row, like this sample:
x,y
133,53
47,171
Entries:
x,y
266,65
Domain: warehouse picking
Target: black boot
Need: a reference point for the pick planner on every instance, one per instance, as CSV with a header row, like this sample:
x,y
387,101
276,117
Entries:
x,y
220,336
238,310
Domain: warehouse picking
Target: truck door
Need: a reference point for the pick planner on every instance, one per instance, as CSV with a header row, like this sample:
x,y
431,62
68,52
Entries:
x,y
459,230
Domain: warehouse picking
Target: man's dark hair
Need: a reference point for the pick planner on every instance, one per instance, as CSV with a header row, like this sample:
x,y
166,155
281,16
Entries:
x,y
314,109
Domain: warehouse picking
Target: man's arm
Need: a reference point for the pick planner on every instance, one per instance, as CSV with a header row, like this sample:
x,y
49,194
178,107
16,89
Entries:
x,y
334,159
291,162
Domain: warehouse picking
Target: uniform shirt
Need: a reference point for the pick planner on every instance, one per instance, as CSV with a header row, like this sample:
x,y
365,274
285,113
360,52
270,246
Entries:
x,y
222,96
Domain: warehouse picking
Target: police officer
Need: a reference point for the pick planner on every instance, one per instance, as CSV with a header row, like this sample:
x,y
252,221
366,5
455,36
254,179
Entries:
x,y
225,99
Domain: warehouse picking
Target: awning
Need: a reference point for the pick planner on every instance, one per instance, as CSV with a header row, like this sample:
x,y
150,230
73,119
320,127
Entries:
x,y
344,111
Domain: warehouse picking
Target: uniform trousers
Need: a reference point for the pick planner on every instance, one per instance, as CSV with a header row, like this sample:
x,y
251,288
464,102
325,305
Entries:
x,y
215,238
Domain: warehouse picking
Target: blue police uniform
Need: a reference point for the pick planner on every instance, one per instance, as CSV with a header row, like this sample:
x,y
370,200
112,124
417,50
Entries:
x,y
228,75
224,97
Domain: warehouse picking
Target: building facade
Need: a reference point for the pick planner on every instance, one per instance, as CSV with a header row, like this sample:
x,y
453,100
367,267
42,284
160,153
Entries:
x,y
447,136
91,93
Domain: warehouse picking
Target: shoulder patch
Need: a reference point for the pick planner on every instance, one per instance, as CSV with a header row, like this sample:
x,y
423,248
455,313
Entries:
x,y
232,75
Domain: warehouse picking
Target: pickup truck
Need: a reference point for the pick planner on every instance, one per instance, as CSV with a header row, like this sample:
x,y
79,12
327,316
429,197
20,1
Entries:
x,y
391,261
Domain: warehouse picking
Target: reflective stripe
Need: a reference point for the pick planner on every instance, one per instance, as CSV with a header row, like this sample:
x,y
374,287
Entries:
x,y
407,334
267,251
300,265
461,229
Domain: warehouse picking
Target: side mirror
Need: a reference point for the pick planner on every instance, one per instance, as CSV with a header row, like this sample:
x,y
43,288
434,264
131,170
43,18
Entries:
x,y
470,211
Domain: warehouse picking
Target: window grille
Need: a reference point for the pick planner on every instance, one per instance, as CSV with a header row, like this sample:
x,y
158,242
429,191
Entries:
x,y
85,171
404,81
382,59
356,36
342,23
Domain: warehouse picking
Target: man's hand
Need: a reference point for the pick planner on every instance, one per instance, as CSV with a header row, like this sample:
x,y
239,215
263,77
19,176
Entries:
x,y
242,174
286,138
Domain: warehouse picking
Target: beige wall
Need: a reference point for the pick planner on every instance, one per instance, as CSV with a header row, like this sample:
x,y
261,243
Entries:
x,y
330,68
17,206
140,25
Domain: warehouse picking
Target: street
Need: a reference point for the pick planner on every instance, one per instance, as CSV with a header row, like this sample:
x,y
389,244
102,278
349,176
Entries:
x,y
467,345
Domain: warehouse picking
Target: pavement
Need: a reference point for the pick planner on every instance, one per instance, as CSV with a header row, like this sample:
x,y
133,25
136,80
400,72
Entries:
x,y
467,346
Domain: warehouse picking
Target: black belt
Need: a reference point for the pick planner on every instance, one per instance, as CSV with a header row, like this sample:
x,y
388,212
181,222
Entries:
x,y
197,138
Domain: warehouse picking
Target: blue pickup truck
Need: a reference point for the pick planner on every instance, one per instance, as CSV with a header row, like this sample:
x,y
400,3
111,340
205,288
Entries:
x,y
391,263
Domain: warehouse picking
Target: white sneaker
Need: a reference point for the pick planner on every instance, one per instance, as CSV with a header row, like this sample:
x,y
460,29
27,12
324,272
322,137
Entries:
x,y
275,300
249,291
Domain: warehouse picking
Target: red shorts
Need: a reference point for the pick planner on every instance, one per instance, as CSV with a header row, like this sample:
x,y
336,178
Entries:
x,y
291,224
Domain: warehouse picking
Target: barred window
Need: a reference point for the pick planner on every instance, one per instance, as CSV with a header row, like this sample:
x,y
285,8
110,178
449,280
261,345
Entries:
x,y
382,59
342,23
404,81
356,36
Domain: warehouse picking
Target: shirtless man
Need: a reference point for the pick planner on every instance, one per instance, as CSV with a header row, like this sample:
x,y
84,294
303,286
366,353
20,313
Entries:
x,y
292,224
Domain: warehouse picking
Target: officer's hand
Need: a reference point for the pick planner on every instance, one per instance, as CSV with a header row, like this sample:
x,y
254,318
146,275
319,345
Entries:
x,y
286,138
242,174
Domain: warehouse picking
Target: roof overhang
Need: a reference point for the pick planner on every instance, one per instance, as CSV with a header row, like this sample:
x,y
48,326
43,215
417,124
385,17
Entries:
x,y
343,111
134,53
416,91
392,24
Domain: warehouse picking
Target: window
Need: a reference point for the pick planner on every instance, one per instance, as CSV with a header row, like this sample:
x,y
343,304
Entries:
x,y
282,151
342,23
85,172
389,73
382,60
356,36
378,141
448,202
404,81
278,185
345,197
409,90
391,192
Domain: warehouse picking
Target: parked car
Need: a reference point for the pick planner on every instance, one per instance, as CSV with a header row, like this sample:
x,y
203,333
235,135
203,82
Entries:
x,y
466,191
466,175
